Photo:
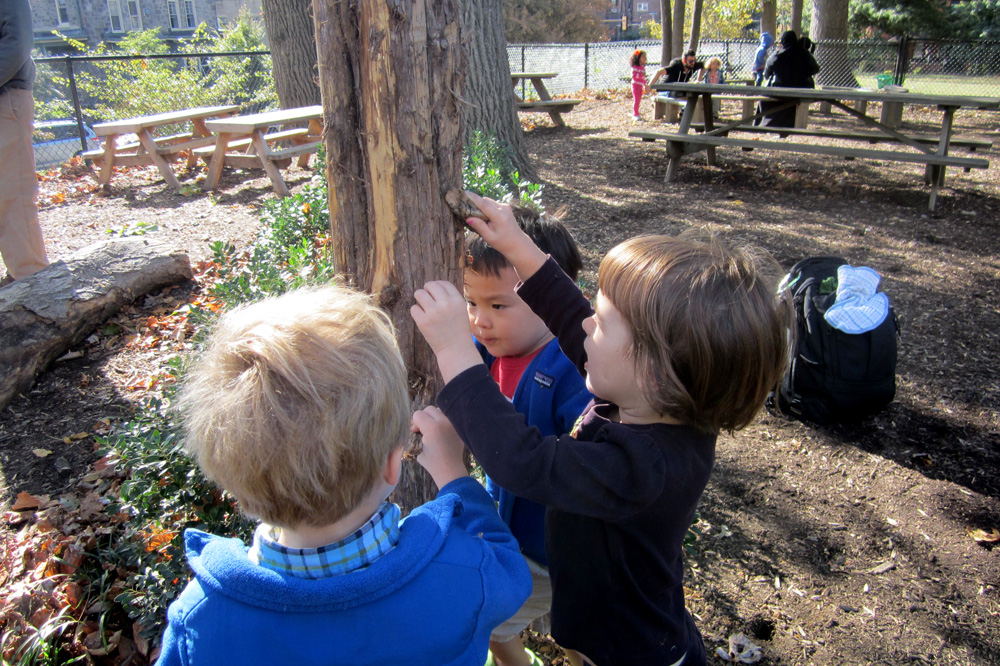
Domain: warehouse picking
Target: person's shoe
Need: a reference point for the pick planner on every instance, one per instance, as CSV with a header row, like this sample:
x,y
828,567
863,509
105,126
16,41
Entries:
x,y
636,118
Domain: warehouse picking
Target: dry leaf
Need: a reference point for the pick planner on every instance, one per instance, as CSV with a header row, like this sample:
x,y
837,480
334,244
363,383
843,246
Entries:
x,y
982,535
41,453
26,501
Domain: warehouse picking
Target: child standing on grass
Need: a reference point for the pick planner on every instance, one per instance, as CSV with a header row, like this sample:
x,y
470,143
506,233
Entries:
x,y
299,408
524,359
686,340
638,62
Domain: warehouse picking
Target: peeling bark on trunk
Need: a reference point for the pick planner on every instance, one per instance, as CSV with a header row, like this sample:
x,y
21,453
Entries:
x,y
291,36
391,76
43,315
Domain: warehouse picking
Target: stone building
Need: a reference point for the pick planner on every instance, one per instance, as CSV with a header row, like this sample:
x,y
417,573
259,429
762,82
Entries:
x,y
96,21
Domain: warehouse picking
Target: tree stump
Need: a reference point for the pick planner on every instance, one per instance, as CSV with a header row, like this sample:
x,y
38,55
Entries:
x,y
43,315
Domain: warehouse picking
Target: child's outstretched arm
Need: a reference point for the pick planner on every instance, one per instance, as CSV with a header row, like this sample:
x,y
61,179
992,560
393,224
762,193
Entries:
x,y
504,235
442,448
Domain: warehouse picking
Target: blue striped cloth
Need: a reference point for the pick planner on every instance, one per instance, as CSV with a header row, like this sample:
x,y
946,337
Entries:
x,y
859,306
371,541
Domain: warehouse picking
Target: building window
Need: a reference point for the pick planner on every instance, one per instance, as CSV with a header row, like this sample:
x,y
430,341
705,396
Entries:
x,y
62,11
642,6
125,15
181,14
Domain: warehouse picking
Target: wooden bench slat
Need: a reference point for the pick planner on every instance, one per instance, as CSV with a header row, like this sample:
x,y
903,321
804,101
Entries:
x,y
293,151
243,143
835,151
870,137
546,105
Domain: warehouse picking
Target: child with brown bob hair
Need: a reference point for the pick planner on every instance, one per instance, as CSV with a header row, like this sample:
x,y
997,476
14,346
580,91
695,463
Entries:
x,y
686,339
299,409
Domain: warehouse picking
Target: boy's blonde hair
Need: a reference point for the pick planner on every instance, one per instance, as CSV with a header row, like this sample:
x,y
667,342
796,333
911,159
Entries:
x,y
709,328
714,60
297,403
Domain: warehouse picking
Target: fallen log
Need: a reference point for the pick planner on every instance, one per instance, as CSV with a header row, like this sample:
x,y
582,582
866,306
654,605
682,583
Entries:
x,y
43,315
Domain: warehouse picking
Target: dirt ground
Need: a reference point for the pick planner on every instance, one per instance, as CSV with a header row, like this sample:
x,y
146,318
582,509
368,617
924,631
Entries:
x,y
852,544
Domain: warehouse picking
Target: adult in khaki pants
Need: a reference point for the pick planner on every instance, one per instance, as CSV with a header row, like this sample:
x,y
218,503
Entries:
x,y
21,240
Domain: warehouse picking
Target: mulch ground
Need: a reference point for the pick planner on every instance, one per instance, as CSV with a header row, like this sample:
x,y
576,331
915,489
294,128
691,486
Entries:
x,y
864,543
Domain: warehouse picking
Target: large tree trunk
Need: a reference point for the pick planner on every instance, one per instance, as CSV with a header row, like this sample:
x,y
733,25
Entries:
x,y
392,81
829,31
43,315
695,25
797,18
289,25
666,34
678,30
488,103
769,17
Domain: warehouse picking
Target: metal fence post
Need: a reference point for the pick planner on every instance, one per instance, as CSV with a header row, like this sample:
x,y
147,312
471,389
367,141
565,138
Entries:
x,y
586,64
902,61
78,114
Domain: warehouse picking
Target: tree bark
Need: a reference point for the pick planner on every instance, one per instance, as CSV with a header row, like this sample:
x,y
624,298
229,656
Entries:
x,y
797,18
678,30
43,315
829,31
695,25
666,34
769,18
292,39
487,102
392,76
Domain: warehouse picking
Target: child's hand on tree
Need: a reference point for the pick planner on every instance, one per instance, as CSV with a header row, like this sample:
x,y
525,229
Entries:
x,y
441,315
443,450
504,235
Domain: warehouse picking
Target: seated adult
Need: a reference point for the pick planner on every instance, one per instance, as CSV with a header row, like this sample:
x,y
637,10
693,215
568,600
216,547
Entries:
x,y
791,67
678,70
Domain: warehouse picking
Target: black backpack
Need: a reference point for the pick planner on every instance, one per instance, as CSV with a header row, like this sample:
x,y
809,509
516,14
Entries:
x,y
834,376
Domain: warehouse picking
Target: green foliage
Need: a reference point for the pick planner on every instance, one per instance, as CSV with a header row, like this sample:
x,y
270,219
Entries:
x,y
38,646
293,250
488,171
164,494
651,30
126,88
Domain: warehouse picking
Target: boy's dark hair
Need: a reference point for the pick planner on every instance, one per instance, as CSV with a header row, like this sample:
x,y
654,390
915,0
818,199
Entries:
x,y
547,231
635,59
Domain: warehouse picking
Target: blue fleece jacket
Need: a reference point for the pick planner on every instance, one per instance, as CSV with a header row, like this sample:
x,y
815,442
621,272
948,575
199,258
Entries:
x,y
760,57
454,575
551,395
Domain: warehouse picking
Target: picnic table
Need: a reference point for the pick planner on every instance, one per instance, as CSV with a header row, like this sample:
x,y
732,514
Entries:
x,y
150,149
554,107
248,142
915,149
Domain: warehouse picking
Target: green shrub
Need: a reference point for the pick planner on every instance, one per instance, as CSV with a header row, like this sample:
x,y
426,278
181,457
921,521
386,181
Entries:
x,y
487,170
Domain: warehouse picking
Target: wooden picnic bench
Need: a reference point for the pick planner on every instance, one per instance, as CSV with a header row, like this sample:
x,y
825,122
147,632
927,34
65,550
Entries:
x,y
545,104
934,155
150,149
670,107
871,137
248,142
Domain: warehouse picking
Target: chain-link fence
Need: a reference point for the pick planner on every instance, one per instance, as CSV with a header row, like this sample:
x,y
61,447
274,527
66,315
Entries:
x,y
74,92
920,65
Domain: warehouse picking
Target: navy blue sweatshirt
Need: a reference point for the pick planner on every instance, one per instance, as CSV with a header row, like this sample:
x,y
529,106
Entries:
x,y
620,499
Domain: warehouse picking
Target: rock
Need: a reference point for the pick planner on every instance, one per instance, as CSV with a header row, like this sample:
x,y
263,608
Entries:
x,y
43,315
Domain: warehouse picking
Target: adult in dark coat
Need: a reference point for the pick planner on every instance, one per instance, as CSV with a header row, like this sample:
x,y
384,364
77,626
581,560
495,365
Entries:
x,y
791,67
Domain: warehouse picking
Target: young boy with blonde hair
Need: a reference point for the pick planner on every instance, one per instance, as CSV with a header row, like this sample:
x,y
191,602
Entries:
x,y
525,360
299,409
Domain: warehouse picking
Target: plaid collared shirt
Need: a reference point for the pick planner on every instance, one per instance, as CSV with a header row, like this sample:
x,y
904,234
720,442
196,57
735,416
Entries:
x,y
371,541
